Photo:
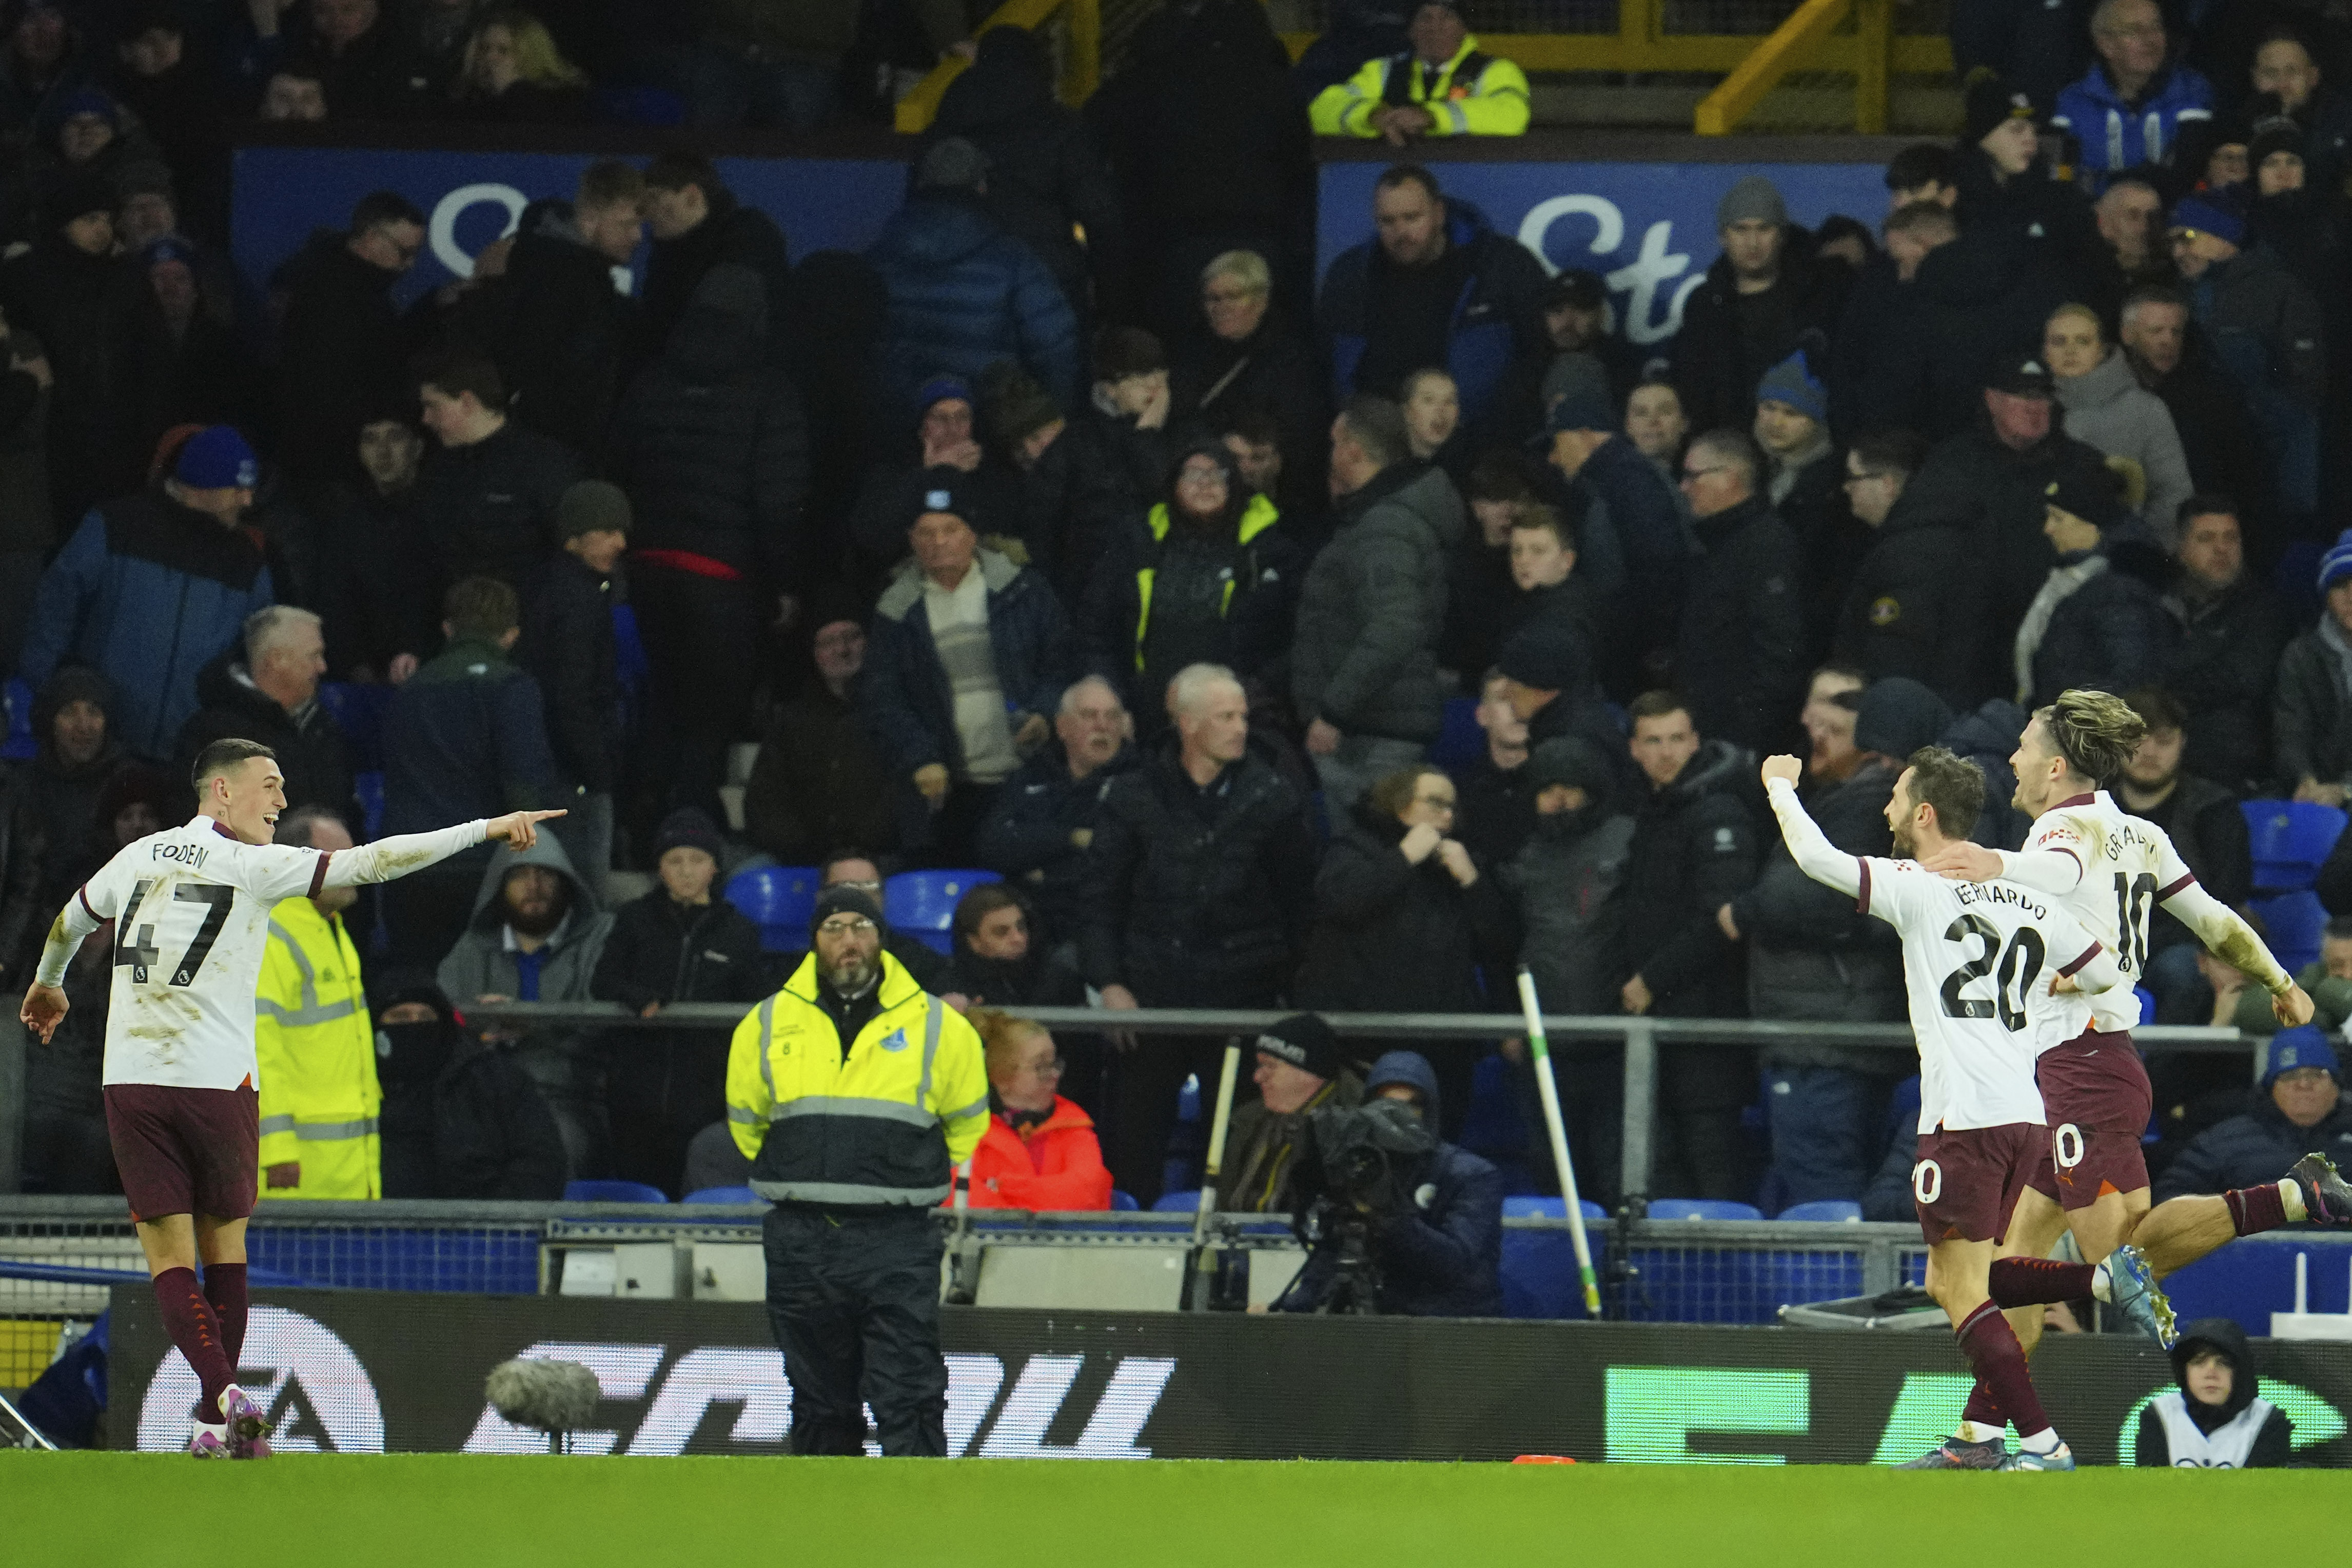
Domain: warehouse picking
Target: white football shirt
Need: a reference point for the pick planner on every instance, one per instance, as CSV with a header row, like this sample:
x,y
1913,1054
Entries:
x,y
1977,963
191,911
2130,867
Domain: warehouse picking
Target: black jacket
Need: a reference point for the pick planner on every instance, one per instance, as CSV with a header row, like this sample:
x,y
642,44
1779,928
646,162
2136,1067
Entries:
x,y
1393,937
311,750
661,950
1373,607
712,446
1980,298
104,333
1038,979
1194,888
1728,340
568,646
1494,811
555,327
1693,851
1165,595
2112,634
733,234
2222,673
1026,834
343,355
2311,710
2252,1148
479,1130
819,783
488,510
1831,541
1739,656
2217,436
376,581
1274,371
1915,605
1570,875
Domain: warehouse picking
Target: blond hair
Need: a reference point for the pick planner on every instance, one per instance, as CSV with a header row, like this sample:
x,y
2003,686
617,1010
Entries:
x,y
1003,1036
537,59
2094,732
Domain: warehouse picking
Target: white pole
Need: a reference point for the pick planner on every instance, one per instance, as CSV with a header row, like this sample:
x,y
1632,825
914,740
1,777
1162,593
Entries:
x,y
1539,1053
1208,1204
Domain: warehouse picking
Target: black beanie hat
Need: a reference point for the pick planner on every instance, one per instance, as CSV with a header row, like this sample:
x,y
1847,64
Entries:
x,y
1990,101
1306,1042
843,900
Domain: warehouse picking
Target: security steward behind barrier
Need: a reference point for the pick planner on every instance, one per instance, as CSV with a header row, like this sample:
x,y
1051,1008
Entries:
x,y
855,1148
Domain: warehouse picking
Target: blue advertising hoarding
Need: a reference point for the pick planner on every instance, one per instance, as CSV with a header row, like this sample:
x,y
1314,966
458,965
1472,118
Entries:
x,y
470,198
1648,228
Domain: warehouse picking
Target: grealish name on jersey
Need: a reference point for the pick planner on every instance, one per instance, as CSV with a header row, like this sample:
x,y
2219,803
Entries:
x,y
2130,867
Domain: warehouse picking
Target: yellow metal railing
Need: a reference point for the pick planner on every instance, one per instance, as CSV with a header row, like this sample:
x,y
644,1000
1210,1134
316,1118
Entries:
x,y
1081,55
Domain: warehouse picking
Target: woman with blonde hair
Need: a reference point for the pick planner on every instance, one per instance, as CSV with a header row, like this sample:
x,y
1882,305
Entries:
x,y
1040,1151
2107,408
513,72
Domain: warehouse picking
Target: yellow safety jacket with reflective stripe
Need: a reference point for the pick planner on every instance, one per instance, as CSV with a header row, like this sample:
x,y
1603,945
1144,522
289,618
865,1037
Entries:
x,y
1493,103
885,1122
315,1049
1257,518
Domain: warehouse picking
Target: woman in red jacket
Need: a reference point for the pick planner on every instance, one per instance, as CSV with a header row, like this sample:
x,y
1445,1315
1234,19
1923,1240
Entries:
x,y
1039,1152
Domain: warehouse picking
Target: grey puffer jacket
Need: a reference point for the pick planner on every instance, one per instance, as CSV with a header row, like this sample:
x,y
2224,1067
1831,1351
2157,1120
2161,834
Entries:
x,y
1365,653
2110,410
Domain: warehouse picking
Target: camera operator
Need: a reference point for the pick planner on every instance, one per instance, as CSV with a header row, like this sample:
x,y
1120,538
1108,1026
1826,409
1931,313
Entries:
x,y
1408,1225
1299,1071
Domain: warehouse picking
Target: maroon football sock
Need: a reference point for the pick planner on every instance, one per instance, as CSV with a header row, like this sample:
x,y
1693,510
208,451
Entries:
x,y
2032,1281
2256,1209
1999,1363
1982,1408
225,1288
188,1320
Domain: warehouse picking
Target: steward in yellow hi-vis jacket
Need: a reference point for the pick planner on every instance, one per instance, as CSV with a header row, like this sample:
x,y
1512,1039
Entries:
x,y
855,1094
314,1046
1445,85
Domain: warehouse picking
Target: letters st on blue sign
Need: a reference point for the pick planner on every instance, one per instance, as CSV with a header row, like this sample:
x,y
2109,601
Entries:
x,y
1647,228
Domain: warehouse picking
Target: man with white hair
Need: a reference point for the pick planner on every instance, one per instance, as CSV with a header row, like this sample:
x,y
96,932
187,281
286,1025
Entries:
x,y
1042,822
265,687
1199,894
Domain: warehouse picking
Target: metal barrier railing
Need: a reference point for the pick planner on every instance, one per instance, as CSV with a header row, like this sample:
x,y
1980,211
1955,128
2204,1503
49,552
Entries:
x,y
1641,1037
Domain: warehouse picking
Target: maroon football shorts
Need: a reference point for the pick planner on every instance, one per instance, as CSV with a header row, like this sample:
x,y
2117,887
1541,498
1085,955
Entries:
x,y
185,1150
1966,1182
2097,1099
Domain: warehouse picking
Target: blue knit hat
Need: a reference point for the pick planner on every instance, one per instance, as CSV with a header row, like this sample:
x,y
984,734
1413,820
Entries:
x,y
2304,1047
2337,565
939,389
2214,212
1793,383
218,458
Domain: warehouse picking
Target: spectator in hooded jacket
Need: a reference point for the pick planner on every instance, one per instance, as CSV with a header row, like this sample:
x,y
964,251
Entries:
x,y
265,688
2130,111
713,444
1039,1152
568,646
1042,823
1404,919
1440,1252
1768,287
460,1119
2107,408
487,495
819,780
964,291
1437,286
2215,1418
2285,63
150,586
2099,621
678,943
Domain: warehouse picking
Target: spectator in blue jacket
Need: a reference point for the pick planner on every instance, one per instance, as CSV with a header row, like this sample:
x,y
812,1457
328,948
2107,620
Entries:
x,y
152,585
466,737
2128,108
1437,287
963,292
970,652
1441,1257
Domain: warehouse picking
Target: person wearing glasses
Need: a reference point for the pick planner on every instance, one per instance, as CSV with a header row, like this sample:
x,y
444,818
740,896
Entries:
x,y
1912,607
1039,1151
2131,109
1740,655
854,1093
345,345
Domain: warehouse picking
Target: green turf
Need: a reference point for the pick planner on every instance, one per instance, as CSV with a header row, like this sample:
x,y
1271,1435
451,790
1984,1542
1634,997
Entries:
x,y
455,1510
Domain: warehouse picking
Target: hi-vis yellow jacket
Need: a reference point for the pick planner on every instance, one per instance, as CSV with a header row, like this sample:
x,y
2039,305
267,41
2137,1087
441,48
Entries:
x,y
315,1049
1473,94
885,1122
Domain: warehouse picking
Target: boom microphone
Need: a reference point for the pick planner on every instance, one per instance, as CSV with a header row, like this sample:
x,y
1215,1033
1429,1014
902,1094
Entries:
x,y
551,1396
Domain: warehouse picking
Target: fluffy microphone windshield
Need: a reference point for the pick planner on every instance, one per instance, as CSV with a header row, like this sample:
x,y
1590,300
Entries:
x,y
552,1397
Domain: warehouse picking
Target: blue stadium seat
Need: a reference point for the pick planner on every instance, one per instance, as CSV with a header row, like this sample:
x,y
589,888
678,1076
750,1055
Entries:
x,y
778,899
2290,840
922,904
1538,1268
1170,1203
1821,1209
1460,742
1491,1126
1532,1207
1702,1208
2292,922
368,787
1123,1203
613,1193
21,743
721,1195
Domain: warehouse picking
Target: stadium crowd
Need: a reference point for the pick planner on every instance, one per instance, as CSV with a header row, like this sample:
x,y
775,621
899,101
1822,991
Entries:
x,y
1077,532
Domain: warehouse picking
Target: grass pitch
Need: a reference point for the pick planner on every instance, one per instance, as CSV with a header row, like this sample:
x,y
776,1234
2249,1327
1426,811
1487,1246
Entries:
x,y
456,1511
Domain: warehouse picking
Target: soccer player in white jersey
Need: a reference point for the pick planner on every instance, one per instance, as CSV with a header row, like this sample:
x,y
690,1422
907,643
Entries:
x,y
1983,964
2111,869
191,911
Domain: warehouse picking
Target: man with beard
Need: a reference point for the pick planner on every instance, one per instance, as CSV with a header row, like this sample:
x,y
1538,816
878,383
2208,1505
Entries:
x,y
854,1130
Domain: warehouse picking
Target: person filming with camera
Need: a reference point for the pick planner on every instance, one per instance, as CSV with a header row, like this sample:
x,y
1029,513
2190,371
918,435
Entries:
x,y
1398,1222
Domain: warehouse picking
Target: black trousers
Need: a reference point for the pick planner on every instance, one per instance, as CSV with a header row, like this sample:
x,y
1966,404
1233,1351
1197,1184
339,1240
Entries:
x,y
702,637
1147,1080
854,1303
